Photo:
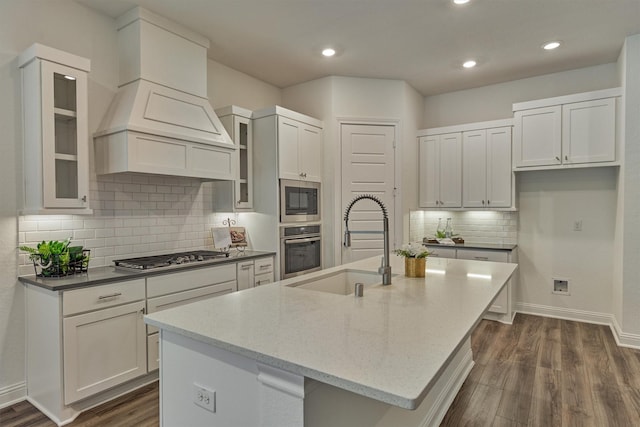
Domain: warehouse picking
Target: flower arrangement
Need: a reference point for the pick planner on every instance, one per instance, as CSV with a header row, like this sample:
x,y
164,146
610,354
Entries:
x,y
412,250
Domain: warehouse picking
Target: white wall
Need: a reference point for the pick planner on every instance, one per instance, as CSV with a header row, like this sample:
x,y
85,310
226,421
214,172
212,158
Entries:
x,y
226,86
494,102
141,204
548,201
630,321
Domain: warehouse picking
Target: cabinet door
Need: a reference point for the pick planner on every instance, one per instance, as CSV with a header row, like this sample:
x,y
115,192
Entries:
x,y
245,275
243,137
451,170
537,137
441,252
499,171
263,279
589,131
474,169
102,349
310,153
288,137
429,171
65,150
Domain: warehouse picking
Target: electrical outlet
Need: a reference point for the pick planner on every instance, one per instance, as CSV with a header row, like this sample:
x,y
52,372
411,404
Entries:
x,y
204,397
561,287
577,225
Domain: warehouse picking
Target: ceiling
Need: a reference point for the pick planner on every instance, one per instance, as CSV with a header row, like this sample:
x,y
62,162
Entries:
x,y
422,42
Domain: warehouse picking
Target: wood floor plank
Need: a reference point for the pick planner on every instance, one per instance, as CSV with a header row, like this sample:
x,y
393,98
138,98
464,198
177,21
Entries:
x,y
516,401
528,347
550,355
546,402
482,407
505,422
453,418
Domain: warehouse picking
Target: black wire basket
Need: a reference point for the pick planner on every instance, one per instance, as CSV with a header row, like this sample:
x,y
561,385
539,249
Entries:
x,y
60,265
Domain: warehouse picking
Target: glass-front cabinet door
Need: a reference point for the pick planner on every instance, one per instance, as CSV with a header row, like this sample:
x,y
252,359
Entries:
x,y
56,150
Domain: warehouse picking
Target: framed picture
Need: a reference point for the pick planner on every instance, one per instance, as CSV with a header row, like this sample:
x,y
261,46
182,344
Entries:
x,y
238,237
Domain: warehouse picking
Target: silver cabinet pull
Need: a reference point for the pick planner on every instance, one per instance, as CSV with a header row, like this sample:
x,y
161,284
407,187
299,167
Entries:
x,y
246,267
481,258
264,267
114,295
557,158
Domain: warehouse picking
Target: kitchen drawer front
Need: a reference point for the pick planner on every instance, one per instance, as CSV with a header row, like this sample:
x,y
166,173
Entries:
x,y
480,255
191,279
441,252
263,279
99,297
263,265
186,297
153,352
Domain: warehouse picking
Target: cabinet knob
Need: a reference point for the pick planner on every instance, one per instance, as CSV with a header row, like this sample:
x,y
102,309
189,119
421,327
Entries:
x,y
566,158
557,158
84,198
483,203
488,202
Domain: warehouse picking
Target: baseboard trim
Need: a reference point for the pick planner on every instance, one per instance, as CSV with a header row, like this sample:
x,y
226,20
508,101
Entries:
x,y
13,394
623,339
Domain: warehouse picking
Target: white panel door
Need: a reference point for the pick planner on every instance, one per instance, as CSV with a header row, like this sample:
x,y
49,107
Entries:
x,y
288,135
310,153
589,131
429,170
474,169
499,171
368,167
451,170
537,137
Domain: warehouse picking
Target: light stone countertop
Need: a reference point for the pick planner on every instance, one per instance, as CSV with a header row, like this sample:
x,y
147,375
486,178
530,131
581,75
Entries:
x,y
390,345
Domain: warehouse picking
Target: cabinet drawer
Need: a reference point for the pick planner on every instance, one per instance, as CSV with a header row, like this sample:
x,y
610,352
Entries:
x,y
191,279
480,255
153,352
263,279
185,297
98,297
441,252
263,265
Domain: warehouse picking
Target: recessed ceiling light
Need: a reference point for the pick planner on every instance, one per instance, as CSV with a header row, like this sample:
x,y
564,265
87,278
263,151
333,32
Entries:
x,y
328,52
469,64
551,45
460,1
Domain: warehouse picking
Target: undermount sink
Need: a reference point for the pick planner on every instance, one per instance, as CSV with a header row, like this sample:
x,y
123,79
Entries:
x,y
340,282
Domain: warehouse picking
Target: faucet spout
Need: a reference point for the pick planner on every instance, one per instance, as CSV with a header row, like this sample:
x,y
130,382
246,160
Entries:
x,y
385,267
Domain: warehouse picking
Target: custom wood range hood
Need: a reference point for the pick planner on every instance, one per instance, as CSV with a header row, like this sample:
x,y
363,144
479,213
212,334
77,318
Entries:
x,y
160,120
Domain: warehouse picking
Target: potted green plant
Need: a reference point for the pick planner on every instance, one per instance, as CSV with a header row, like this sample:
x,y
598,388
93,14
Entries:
x,y
52,257
415,257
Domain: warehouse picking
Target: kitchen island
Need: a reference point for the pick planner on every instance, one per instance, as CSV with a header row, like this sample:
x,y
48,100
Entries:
x,y
284,355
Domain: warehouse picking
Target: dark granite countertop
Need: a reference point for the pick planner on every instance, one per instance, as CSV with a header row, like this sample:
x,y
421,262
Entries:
x,y
103,275
468,245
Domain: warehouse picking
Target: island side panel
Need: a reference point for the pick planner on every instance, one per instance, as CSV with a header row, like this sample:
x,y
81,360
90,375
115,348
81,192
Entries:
x,y
242,395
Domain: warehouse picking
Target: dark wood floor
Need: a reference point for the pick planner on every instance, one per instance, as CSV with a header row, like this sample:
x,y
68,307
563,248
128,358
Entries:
x,y
536,372
548,372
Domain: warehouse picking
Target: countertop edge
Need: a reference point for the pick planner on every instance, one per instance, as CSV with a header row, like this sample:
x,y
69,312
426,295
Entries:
x,y
113,274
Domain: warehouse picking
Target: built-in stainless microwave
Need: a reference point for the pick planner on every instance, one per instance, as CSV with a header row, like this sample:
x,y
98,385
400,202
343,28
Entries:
x,y
299,201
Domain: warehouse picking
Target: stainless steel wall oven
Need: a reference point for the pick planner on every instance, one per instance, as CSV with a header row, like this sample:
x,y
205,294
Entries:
x,y
300,250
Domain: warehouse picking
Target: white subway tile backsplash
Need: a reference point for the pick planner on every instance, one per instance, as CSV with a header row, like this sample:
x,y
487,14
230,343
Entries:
x,y
134,215
473,226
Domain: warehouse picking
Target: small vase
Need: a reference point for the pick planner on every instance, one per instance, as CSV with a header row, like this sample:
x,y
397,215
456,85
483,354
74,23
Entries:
x,y
414,267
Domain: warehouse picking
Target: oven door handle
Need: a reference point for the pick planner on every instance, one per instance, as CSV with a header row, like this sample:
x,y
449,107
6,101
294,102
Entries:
x,y
307,240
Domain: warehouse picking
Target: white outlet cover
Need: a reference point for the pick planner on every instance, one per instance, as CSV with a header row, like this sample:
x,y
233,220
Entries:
x,y
204,397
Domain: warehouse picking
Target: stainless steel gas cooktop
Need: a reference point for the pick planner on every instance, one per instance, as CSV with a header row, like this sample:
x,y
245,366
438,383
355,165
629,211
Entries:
x,y
167,260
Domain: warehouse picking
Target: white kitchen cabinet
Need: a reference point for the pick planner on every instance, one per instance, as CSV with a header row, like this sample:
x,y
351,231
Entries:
x,y
502,308
237,195
55,124
104,340
245,275
501,305
254,273
299,150
441,171
573,130
486,171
